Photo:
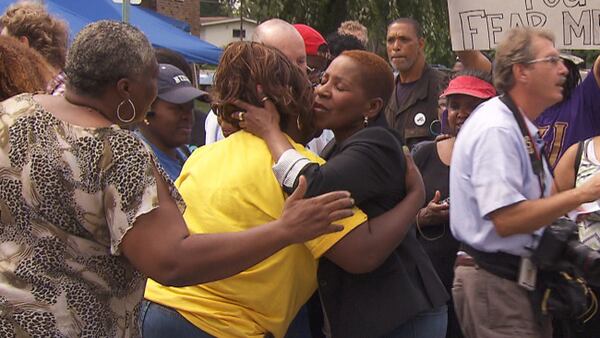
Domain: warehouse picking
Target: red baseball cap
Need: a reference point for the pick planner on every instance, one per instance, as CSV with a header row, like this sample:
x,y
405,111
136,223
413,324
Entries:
x,y
312,39
470,85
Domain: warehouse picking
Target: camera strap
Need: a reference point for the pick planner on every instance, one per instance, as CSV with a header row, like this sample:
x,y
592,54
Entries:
x,y
536,157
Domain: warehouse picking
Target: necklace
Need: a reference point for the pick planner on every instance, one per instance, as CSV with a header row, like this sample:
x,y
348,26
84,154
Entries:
x,y
90,109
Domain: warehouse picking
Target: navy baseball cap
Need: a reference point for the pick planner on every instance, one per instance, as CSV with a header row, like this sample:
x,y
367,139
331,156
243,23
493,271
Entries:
x,y
174,86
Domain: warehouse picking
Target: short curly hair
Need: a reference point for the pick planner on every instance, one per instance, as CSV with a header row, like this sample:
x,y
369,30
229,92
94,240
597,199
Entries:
x,y
246,64
105,52
338,43
22,69
356,29
45,33
377,77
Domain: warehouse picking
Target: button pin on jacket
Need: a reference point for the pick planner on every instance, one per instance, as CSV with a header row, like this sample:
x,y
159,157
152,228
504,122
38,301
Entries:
x,y
420,119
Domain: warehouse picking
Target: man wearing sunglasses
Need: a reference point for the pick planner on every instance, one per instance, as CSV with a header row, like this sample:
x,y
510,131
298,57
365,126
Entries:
x,y
313,42
500,186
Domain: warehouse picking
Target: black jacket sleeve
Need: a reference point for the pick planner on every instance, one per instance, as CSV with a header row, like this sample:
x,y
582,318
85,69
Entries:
x,y
369,162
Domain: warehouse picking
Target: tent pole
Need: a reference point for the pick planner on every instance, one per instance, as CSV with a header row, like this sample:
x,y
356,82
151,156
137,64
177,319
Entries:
x,y
195,80
125,11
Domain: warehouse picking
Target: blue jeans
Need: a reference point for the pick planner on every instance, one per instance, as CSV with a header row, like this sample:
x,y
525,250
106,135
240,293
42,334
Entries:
x,y
430,324
300,326
157,321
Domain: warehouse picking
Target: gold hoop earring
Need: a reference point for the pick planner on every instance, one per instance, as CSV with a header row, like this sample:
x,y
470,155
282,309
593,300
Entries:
x,y
119,111
366,122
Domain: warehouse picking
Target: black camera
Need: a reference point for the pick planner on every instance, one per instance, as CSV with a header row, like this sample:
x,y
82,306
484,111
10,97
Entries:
x,y
560,250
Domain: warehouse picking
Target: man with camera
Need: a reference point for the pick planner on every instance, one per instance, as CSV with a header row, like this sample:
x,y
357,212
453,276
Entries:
x,y
500,186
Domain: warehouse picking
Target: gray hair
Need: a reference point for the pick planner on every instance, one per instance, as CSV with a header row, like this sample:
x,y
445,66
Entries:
x,y
514,49
104,52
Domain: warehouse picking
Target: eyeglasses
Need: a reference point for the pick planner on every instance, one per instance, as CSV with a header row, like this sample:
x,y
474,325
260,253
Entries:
x,y
553,59
314,75
314,72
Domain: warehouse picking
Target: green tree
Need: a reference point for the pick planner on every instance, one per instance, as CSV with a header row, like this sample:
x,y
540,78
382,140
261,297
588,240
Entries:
x,y
326,16
588,55
212,8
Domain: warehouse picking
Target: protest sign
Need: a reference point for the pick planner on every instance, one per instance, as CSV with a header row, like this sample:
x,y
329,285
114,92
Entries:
x,y
481,24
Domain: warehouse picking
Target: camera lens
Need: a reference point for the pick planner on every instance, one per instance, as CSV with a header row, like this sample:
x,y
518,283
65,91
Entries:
x,y
586,259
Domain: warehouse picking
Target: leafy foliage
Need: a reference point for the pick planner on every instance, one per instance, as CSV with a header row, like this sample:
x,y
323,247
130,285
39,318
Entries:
x,y
326,16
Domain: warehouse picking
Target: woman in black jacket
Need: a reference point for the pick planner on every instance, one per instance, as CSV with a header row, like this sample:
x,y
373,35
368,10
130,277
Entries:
x,y
403,297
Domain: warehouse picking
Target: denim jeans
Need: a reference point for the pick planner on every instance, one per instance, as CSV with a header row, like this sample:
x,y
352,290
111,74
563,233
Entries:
x,y
430,324
157,321
300,326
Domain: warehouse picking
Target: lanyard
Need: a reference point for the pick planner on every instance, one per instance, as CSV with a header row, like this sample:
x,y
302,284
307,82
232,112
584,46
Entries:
x,y
536,158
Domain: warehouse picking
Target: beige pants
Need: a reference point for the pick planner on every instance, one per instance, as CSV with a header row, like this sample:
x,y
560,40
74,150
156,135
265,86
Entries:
x,y
488,306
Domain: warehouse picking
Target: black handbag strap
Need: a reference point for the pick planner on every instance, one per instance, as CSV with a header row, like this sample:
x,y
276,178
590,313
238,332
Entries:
x,y
536,158
578,156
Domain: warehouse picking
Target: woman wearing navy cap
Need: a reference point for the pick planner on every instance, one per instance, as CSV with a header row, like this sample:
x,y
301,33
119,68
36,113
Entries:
x,y
167,128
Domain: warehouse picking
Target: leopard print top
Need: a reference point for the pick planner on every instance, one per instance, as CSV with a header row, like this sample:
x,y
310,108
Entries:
x,y
68,195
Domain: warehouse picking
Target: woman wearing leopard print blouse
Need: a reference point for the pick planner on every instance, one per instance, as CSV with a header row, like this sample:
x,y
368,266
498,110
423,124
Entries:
x,y
85,211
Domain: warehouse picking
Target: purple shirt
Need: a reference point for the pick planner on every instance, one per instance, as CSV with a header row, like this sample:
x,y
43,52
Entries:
x,y
571,121
404,90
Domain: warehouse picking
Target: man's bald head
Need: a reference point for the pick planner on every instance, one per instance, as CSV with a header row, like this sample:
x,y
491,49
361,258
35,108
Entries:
x,y
281,35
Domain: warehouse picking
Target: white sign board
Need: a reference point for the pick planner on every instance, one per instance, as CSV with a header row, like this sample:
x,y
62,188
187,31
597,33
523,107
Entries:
x,y
481,24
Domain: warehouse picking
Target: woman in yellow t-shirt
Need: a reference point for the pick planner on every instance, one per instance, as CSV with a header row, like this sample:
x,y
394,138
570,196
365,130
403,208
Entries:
x,y
229,186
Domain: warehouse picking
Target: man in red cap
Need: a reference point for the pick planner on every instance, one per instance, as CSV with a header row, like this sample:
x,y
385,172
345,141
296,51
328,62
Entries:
x,y
313,42
317,60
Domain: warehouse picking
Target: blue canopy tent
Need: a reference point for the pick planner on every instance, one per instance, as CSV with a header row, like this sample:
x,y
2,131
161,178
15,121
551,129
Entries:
x,y
184,26
76,22
160,32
